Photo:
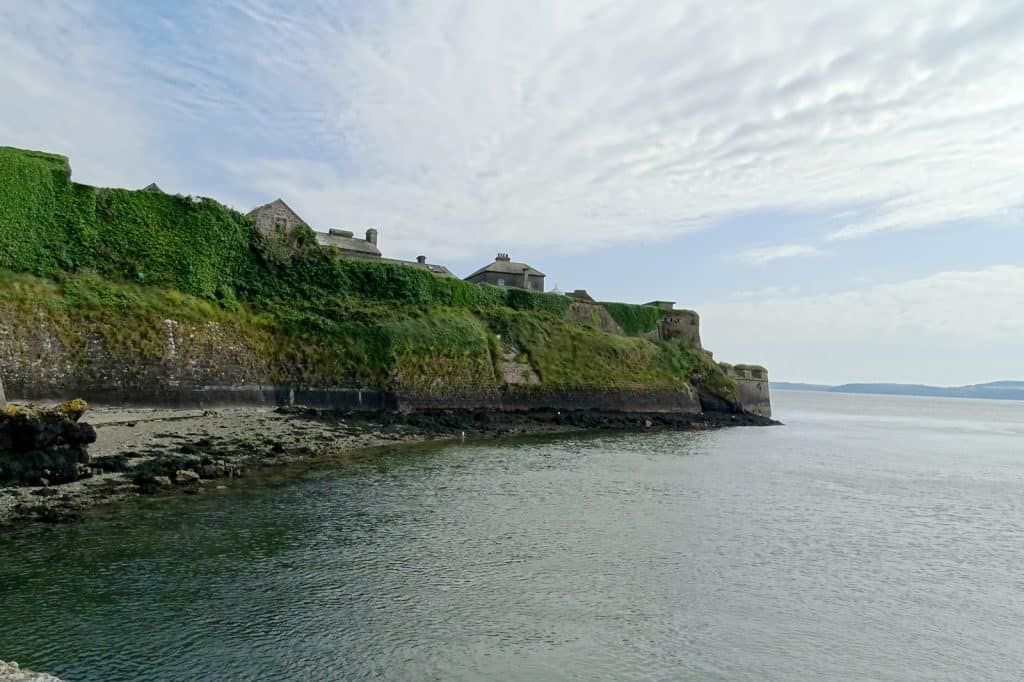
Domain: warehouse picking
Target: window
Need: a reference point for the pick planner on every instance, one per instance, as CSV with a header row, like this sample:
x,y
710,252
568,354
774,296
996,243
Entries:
x,y
280,224
529,285
501,282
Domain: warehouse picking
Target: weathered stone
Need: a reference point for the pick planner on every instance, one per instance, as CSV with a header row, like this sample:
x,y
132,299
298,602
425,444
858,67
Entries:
x,y
50,444
161,481
752,387
10,672
3,396
185,476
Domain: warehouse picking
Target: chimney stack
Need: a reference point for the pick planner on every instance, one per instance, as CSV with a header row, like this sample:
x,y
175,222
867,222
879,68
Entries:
x,y
371,236
526,278
502,256
422,260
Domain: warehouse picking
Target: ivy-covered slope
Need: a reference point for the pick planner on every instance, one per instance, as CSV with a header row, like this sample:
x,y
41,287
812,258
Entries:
x,y
115,263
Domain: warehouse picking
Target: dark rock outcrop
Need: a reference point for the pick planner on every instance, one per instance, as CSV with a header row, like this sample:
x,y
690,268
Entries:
x,y
44,446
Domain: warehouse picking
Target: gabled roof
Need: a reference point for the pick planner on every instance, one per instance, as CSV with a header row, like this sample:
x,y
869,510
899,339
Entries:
x,y
507,267
277,203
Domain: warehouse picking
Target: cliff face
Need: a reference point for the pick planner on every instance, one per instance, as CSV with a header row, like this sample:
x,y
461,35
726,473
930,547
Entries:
x,y
124,296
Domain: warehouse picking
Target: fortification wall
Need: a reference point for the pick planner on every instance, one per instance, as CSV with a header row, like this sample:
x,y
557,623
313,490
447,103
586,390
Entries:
x,y
752,387
208,365
679,325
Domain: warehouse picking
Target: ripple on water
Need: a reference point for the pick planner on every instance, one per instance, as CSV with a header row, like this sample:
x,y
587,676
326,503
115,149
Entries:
x,y
827,548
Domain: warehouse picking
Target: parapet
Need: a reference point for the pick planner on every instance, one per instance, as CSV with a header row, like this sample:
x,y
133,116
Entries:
x,y
682,326
751,386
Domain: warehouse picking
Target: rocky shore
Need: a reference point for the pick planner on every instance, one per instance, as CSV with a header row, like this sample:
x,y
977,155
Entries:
x,y
141,451
10,672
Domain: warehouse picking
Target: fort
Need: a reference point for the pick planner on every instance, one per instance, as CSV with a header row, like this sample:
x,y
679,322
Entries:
x,y
142,297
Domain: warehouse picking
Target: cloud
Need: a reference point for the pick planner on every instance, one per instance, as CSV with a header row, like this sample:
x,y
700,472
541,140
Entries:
x,y
952,327
566,124
460,126
70,88
767,254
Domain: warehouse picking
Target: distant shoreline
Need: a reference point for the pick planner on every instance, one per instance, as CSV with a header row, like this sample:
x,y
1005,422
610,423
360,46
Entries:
x,y
996,390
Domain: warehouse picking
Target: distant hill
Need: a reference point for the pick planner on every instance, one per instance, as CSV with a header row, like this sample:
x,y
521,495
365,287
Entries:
x,y
995,390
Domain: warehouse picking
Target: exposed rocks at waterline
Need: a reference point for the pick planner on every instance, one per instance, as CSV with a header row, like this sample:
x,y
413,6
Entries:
x,y
187,452
44,446
11,672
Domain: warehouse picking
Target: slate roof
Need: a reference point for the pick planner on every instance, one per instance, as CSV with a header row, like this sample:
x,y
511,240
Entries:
x,y
507,267
347,244
432,267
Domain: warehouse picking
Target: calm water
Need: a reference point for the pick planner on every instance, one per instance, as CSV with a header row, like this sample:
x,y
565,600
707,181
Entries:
x,y
872,537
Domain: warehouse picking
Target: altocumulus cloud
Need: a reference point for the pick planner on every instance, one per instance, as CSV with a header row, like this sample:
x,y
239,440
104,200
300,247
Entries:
x,y
456,125
571,123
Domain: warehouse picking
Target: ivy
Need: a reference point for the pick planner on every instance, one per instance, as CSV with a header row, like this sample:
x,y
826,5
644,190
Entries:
x,y
635,320
127,259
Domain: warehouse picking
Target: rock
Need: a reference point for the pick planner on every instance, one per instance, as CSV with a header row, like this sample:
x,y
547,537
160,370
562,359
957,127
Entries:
x,y
185,476
10,672
161,481
37,443
217,468
72,409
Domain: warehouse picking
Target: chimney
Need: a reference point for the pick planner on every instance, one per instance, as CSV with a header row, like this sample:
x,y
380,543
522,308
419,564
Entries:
x,y
371,236
526,278
422,260
502,256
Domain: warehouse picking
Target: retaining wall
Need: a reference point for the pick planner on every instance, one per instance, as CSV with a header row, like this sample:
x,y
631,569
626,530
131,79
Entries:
x,y
210,365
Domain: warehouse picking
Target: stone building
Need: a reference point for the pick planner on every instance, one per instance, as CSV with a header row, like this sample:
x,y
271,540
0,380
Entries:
x,y
277,217
350,245
504,272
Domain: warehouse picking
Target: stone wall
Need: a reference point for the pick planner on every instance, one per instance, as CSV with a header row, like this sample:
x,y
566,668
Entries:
x,y
206,365
679,325
593,315
752,385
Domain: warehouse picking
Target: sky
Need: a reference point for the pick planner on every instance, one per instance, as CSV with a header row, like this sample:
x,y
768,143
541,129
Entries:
x,y
836,187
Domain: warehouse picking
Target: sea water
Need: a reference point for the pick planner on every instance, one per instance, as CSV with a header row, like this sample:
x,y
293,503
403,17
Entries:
x,y
869,537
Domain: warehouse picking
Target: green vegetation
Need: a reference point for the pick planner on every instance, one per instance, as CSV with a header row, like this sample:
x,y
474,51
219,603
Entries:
x,y
635,320
120,264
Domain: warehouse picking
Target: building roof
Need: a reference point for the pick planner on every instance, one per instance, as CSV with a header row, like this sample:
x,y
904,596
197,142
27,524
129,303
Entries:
x,y
347,242
277,202
503,266
664,305
581,295
153,187
432,267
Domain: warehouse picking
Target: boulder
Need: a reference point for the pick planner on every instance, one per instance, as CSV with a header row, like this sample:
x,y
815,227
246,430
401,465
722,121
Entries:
x,y
44,443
